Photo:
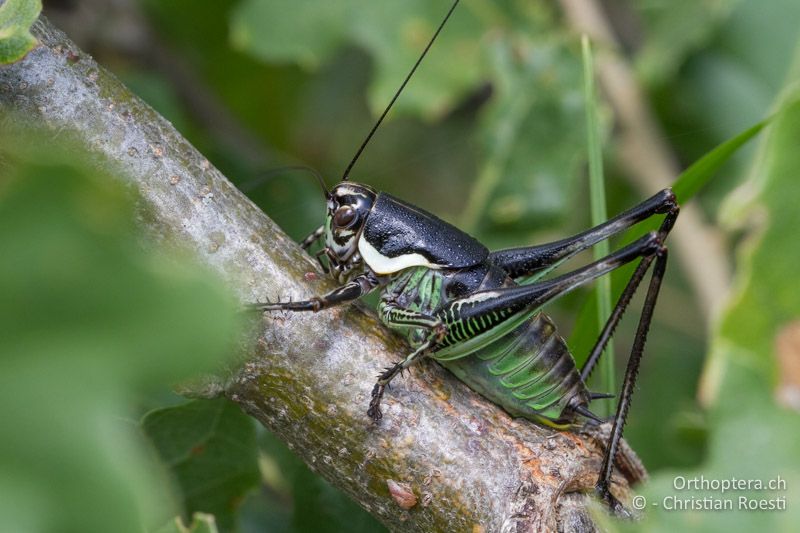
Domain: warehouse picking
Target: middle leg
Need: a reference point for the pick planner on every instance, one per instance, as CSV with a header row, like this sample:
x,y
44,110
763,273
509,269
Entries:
x,y
385,377
396,316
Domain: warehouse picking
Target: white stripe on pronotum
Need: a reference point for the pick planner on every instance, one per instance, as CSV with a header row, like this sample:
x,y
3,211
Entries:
x,y
380,264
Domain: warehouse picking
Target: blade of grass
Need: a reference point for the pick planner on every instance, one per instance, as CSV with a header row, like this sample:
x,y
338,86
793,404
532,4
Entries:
x,y
599,215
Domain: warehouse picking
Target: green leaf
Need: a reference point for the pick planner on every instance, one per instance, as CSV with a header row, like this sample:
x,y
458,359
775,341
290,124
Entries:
x,y
16,18
210,448
90,320
701,171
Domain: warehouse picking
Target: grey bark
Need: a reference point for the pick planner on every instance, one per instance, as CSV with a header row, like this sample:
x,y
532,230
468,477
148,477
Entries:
x,y
306,377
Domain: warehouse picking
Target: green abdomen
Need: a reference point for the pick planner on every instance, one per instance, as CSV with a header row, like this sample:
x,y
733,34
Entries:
x,y
529,372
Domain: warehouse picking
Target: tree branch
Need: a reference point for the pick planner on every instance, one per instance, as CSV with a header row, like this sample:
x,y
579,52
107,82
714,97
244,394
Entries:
x,y
308,377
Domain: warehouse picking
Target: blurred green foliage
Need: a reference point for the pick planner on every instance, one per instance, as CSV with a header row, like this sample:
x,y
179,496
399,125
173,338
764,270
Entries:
x,y
674,31
293,498
90,321
201,523
309,33
489,134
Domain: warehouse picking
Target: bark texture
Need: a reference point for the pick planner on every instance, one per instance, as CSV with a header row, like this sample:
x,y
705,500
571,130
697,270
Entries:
x,y
467,464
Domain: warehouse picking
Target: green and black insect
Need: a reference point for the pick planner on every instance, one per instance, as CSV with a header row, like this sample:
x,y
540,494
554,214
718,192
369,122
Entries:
x,y
478,312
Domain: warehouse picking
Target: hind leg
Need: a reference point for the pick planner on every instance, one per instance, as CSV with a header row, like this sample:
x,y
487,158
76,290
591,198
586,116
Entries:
x,y
535,261
603,480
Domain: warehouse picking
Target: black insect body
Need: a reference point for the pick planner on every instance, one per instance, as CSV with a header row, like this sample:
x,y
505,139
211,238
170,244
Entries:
x,y
479,312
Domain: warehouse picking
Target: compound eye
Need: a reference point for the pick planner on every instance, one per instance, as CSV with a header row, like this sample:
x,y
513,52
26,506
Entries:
x,y
344,217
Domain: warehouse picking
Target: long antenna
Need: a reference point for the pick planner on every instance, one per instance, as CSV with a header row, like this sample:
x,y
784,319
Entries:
x,y
258,181
346,173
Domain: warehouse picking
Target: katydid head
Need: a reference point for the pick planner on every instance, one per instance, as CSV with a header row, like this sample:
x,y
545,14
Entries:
x,y
349,205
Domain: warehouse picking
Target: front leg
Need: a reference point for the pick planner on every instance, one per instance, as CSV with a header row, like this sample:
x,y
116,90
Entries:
x,y
348,292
